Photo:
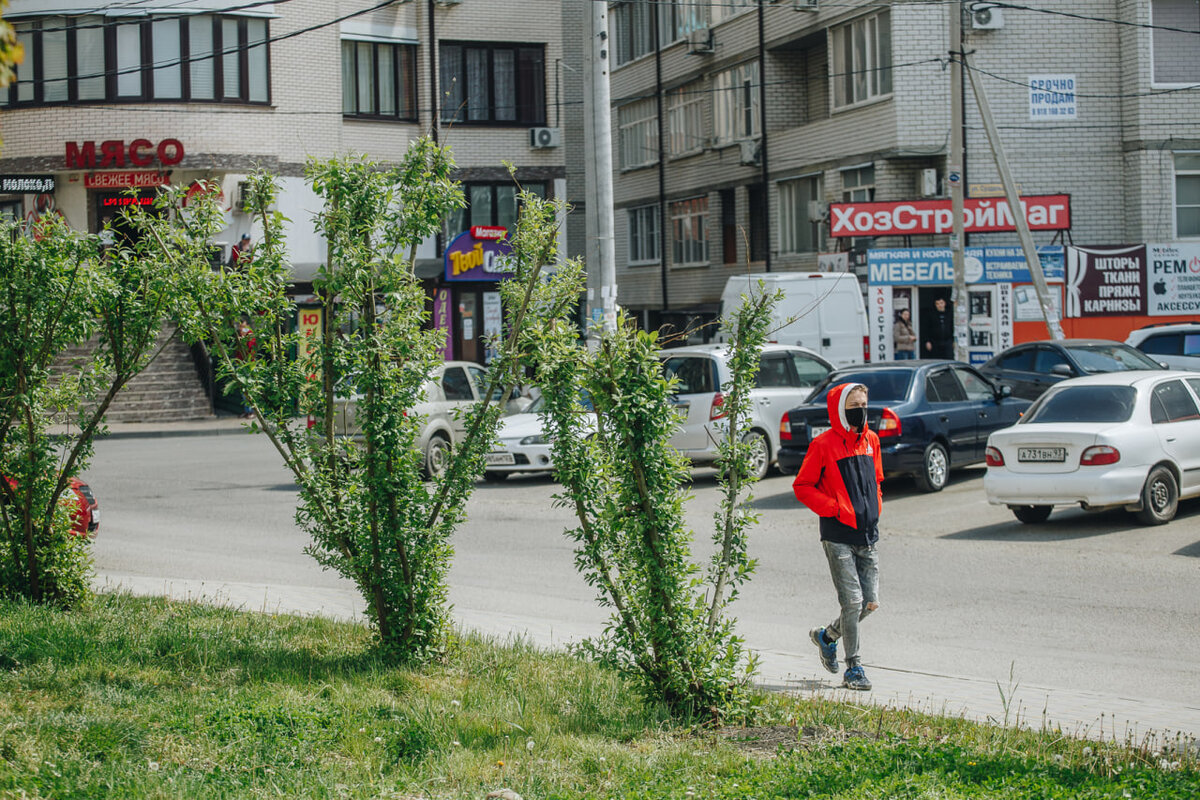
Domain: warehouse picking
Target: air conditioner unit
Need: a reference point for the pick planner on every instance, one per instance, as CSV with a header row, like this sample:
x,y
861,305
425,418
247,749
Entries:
x,y
817,211
749,152
927,183
804,5
239,200
700,41
542,138
986,17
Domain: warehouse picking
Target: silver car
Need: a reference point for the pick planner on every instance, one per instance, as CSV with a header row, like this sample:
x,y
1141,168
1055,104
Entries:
x,y
786,377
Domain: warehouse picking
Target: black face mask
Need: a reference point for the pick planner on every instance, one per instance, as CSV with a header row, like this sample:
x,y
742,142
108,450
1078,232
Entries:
x,y
856,418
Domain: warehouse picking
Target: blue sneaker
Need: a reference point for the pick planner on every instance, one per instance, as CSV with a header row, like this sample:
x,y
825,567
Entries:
x,y
856,679
828,649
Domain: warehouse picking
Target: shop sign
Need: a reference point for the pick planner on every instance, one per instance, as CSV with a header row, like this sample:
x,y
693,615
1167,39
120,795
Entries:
x,y
1052,98
26,184
472,259
115,154
124,200
1174,279
922,217
441,321
310,325
882,322
933,266
490,232
1106,281
125,180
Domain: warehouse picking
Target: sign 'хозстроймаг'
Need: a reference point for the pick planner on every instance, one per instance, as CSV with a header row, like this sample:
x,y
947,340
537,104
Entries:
x,y
1050,212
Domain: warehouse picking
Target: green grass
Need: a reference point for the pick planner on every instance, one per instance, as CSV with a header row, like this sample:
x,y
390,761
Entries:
x,y
137,698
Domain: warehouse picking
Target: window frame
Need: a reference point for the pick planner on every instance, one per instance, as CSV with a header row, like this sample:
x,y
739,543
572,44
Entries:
x,y
788,237
644,126
1176,174
635,252
843,90
535,91
685,104
740,101
401,87
1154,82
692,251
146,74
468,188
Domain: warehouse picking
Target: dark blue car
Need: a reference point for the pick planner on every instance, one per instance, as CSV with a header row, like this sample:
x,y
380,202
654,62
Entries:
x,y
931,416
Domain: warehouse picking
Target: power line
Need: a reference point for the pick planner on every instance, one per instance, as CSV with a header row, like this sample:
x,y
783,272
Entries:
x,y
1093,96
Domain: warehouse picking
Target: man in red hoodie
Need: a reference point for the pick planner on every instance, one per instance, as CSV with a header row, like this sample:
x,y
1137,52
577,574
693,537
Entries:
x,y
840,481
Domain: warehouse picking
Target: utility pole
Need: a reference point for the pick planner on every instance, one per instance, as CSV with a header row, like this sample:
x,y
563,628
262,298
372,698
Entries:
x,y
601,255
1049,312
954,177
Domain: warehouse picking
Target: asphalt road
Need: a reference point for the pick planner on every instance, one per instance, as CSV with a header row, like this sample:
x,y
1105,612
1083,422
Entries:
x,y
1087,602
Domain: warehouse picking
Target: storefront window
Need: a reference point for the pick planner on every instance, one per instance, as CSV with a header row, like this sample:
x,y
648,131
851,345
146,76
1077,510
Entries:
x,y
489,204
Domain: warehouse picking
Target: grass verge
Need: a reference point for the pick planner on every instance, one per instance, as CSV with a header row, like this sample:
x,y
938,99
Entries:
x,y
136,698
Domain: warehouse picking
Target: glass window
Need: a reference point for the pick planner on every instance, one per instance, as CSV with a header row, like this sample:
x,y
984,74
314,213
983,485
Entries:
x,y
1187,194
693,373
257,61
883,385
489,204
1045,360
798,231
685,120
89,57
378,80
1084,404
1176,56
689,228
1172,402
1195,384
632,28
456,385
54,59
809,371
165,43
774,372
724,9
202,63
479,378
493,83
858,184
1162,344
1191,344
1019,361
231,63
643,235
637,127
1111,358
736,103
862,59
129,60
975,386
943,387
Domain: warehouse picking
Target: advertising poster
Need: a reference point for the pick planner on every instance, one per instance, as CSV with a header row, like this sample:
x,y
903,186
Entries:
x,y
1028,309
1106,281
309,323
1004,316
879,312
1174,279
492,322
1052,98
441,321
471,259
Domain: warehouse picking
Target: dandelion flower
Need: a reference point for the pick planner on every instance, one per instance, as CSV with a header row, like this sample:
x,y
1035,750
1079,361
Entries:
x,y
1087,751
499,763
529,745
378,738
154,766
456,743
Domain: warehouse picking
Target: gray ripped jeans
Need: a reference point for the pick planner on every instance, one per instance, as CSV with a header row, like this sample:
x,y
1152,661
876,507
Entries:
x,y
855,572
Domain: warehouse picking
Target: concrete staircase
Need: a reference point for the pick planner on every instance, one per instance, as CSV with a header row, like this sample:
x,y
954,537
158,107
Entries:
x,y
168,390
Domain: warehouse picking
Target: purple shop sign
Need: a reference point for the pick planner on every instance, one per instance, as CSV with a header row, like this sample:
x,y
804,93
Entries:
x,y
441,321
471,259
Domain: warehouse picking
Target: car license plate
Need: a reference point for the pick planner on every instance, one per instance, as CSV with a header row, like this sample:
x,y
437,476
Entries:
x,y
816,430
500,459
1041,454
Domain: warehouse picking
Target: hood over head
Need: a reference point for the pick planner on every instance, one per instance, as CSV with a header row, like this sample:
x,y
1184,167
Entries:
x,y
835,400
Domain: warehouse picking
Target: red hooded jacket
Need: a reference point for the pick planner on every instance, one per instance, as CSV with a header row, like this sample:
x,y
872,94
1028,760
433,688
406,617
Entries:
x,y
841,476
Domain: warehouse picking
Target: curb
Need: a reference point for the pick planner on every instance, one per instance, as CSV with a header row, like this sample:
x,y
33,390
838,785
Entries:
x,y
162,433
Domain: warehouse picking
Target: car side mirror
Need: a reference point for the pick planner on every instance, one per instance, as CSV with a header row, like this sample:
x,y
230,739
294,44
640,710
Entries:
x,y
1003,390
1063,370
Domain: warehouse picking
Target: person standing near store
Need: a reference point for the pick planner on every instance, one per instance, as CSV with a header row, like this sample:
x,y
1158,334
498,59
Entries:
x,y
940,341
904,341
840,481
240,251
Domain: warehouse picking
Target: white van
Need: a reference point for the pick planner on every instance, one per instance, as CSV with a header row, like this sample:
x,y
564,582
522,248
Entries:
x,y
822,311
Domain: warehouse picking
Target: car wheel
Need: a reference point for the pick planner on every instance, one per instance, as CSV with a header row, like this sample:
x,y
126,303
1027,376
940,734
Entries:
x,y
1032,515
437,456
759,457
935,468
1160,497
492,476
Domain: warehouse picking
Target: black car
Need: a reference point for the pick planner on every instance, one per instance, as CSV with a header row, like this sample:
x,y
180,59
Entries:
x,y
1034,367
931,415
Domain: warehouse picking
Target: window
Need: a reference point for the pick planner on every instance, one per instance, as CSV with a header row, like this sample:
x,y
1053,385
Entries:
x,y
798,231
685,120
809,371
693,374
678,18
862,60
1176,56
976,387
1019,361
456,385
637,125
379,80
1084,404
1045,360
724,9
942,387
858,184
643,235
756,205
1164,344
1171,402
774,372
499,84
1187,194
489,204
735,103
689,226
632,27
172,59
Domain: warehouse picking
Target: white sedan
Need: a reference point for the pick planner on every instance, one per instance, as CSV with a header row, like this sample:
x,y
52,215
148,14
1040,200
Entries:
x,y
1127,439
524,447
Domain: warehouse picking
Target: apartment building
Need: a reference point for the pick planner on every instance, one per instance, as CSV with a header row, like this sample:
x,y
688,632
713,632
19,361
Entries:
x,y
738,124
140,94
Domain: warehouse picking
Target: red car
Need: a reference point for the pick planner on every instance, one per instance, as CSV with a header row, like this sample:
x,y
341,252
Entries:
x,y
86,516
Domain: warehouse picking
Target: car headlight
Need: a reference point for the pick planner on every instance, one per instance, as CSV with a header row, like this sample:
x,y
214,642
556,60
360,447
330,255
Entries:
x,y
535,439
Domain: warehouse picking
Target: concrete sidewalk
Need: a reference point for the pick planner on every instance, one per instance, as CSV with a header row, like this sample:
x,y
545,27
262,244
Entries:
x,y
220,425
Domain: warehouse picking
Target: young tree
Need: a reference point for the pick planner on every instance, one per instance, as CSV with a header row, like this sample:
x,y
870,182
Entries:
x,y
364,500
669,628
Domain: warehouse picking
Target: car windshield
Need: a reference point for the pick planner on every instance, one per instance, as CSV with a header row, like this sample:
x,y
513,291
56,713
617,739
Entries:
x,y
1084,404
1110,358
883,385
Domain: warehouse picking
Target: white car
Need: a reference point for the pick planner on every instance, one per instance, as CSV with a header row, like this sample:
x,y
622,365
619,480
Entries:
x,y
1127,439
524,447
1177,345
786,377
